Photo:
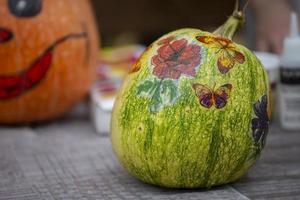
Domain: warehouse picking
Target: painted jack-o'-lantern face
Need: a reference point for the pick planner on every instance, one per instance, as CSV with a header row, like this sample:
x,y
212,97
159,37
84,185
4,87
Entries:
x,y
47,57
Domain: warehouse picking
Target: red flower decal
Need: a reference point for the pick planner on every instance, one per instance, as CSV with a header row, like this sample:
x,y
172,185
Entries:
x,y
166,40
176,58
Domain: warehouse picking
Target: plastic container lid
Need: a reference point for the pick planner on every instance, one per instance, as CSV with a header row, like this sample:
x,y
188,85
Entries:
x,y
271,63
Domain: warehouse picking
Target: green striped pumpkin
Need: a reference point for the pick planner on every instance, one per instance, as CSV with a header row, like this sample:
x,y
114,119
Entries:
x,y
193,112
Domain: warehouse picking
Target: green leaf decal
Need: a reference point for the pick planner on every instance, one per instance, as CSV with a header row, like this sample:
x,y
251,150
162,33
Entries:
x,y
145,88
169,91
161,92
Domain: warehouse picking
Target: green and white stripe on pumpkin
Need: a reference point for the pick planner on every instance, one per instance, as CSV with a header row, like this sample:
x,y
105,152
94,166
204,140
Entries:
x,y
184,144
193,111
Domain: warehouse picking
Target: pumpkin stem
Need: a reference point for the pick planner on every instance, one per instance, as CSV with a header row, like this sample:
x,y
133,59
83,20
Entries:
x,y
233,23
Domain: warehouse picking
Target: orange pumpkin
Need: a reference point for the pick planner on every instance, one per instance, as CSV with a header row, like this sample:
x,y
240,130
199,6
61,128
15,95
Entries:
x,y
48,53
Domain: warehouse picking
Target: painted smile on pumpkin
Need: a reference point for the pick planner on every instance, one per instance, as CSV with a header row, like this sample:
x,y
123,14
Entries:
x,y
17,84
5,35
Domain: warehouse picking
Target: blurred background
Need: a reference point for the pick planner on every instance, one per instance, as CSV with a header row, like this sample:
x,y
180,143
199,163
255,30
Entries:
x,y
131,21
58,85
125,29
267,31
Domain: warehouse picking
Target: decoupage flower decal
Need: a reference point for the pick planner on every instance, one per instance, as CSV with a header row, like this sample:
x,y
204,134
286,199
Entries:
x,y
260,127
260,124
174,59
227,51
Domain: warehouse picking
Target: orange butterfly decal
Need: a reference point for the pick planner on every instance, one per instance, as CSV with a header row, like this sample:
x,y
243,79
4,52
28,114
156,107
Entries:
x,y
135,68
209,97
227,51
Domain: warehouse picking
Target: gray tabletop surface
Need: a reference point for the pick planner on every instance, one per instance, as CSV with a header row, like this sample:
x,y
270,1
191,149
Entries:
x,y
66,159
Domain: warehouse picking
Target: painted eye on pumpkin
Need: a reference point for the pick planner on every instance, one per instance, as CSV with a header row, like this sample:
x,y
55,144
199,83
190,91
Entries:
x,y
25,8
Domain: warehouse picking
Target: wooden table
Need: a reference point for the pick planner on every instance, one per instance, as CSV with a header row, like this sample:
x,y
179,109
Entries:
x,y
66,159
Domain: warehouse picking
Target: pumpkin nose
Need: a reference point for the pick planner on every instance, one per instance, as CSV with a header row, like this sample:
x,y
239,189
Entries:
x,y
5,35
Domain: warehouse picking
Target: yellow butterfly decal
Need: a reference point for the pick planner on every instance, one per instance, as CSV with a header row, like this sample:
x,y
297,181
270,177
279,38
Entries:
x,y
226,50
